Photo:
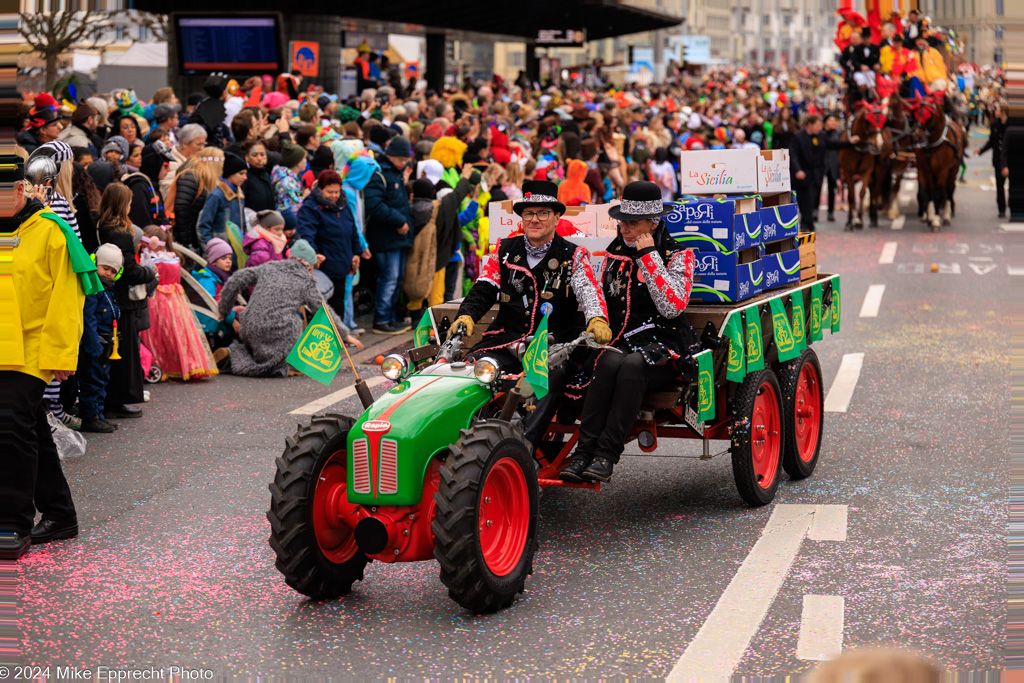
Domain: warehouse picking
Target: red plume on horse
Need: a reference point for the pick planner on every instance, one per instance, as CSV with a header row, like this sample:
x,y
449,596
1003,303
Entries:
x,y
939,149
866,161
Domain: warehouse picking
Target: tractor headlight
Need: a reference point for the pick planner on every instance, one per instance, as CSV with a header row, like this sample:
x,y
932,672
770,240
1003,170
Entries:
x,y
486,370
394,367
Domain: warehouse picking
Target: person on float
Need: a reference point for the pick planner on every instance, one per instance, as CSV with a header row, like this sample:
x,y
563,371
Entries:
x,y
524,272
646,280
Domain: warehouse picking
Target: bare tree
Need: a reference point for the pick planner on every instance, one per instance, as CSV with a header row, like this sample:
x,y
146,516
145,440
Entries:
x,y
52,33
156,23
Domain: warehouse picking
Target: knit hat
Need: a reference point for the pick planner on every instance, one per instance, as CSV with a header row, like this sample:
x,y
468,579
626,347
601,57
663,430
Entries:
x,y
430,169
323,159
118,144
110,255
270,218
422,188
399,147
217,248
380,135
83,112
301,250
291,154
233,164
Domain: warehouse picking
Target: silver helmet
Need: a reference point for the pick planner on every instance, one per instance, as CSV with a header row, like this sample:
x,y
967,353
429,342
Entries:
x,y
41,172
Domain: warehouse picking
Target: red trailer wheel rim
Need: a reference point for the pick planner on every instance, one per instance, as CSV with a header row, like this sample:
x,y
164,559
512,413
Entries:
x,y
764,436
336,539
807,420
504,519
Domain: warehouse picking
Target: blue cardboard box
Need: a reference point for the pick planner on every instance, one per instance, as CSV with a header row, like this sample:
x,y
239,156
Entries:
x,y
780,263
724,223
726,277
779,217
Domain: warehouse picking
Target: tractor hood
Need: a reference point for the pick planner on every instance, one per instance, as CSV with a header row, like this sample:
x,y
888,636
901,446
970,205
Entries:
x,y
392,443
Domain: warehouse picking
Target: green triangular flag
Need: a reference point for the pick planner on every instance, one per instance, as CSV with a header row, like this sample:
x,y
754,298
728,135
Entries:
x,y
814,333
421,336
705,386
535,360
736,366
836,309
755,346
318,352
799,321
783,333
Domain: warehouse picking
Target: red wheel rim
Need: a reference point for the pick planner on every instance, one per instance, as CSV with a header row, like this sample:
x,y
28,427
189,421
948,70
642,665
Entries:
x,y
807,420
764,436
504,519
336,539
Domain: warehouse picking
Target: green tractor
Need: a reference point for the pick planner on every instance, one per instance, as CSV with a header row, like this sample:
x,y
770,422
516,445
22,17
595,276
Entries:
x,y
436,468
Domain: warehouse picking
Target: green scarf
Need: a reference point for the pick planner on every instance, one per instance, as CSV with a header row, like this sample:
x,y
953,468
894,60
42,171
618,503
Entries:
x,y
80,261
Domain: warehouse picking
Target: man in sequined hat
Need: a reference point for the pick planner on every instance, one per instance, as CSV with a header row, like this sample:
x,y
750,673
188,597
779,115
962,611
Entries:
x,y
526,271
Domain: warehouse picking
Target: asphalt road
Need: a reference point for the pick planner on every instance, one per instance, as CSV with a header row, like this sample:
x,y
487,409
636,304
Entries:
x,y
173,566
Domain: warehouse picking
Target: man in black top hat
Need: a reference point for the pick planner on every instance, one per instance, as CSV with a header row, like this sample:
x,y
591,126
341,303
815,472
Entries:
x,y
524,272
646,280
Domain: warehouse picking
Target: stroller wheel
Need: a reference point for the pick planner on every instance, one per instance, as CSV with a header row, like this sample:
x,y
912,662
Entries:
x,y
155,374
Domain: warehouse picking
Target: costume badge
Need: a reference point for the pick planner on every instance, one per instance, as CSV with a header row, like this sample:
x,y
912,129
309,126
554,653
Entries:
x,y
547,295
516,259
505,298
552,264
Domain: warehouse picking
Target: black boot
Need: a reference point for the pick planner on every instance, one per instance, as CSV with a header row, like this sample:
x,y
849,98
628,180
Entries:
x,y
599,470
574,471
50,530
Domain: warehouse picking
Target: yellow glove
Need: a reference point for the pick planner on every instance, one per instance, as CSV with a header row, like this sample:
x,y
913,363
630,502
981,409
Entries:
x,y
598,328
462,319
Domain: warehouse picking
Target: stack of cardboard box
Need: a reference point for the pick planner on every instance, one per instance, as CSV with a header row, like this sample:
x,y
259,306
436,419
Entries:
x,y
739,216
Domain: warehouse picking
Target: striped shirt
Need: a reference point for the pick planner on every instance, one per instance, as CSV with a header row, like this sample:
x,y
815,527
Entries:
x,y
60,206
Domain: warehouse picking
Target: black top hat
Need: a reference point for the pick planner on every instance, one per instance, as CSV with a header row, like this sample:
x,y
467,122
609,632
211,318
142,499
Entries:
x,y
640,199
540,193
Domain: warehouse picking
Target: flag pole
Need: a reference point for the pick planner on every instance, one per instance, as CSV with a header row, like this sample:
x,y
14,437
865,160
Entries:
x,y
362,391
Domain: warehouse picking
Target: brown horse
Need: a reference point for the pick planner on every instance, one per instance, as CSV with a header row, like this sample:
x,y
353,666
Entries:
x,y
901,127
865,161
939,149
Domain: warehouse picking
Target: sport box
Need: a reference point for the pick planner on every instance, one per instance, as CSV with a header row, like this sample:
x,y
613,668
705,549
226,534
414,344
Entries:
x,y
716,223
726,277
734,171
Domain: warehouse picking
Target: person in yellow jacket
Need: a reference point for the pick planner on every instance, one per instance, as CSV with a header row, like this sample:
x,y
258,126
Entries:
x,y
45,274
927,67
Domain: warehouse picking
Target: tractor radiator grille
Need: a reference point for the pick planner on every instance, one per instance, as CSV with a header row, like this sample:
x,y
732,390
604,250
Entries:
x,y
361,466
388,479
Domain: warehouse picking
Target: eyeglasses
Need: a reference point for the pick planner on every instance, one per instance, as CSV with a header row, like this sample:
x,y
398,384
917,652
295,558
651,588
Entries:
x,y
536,215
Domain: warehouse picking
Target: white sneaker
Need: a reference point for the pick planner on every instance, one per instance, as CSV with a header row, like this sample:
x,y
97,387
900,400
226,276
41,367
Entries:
x,y
145,395
358,330
70,421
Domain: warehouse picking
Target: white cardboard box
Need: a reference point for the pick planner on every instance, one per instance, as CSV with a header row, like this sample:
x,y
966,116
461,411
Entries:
x,y
773,171
718,171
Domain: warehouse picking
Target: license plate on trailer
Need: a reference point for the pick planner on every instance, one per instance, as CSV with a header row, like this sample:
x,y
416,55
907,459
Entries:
x,y
691,419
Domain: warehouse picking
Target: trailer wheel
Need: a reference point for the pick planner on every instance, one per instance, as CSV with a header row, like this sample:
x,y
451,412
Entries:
x,y
485,525
803,404
757,437
317,555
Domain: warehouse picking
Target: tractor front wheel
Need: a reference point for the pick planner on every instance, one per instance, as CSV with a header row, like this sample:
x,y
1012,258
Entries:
x,y
316,552
757,437
485,525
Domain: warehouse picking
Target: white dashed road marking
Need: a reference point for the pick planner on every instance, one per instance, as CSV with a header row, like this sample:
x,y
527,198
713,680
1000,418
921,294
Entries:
x,y
821,628
888,253
838,398
872,300
721,642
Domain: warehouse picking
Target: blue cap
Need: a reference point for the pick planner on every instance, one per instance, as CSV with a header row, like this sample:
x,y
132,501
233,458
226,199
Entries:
x,y
546,308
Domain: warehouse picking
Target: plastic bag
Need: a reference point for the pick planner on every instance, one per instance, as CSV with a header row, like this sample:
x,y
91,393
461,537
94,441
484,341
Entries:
x,y
70,444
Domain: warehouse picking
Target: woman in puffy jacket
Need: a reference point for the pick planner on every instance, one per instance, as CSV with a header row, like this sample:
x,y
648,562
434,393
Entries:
x,y
326,222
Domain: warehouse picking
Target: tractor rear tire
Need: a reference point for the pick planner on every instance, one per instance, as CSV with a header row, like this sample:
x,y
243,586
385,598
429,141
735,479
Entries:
x,y
316,559
803,406
757,437
485,525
